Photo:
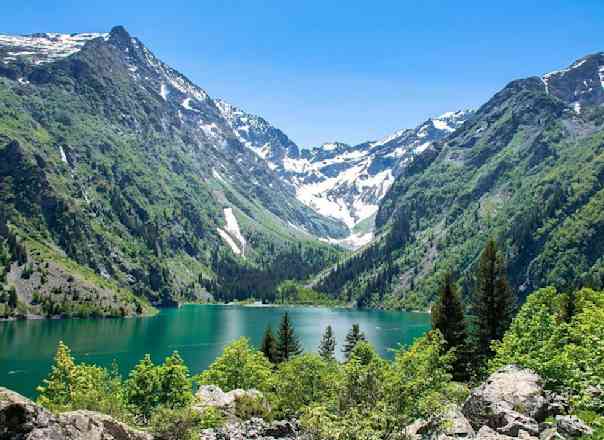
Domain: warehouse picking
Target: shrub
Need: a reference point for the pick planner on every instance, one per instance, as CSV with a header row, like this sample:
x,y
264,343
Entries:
x,y
239,366
176,424
301,381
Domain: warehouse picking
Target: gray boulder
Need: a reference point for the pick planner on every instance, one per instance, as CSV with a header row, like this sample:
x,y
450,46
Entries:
x,y
486,433
254,428
22,419
572,426
511,400
232,403
453,426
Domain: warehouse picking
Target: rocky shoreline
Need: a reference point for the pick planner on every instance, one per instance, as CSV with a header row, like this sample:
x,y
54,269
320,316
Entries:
x,y
512,403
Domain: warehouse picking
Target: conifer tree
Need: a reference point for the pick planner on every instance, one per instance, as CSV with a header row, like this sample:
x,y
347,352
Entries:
x,y
354,336
327,348
448,318
269,345
494,301
288,344
12,298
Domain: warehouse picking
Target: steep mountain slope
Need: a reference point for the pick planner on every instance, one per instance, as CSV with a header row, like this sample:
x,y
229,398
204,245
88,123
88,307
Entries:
x,y
527,169
113,161
338,180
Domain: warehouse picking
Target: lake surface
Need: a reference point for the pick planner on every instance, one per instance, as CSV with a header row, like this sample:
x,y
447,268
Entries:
x,y
198,332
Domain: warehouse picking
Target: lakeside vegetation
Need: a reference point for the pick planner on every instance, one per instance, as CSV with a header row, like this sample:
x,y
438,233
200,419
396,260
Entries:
x,y
558,335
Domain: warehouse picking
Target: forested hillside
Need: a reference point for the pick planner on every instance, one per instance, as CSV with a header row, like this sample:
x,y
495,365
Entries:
x,y
527,170
120,176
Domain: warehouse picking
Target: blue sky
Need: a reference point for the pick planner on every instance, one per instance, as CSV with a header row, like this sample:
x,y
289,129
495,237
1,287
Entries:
x,y
346,70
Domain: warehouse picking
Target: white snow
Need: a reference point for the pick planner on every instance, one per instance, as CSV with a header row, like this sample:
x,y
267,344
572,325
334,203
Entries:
x,y
601,72
422,147
232,227
187,105
442,125
45,48
63,155
356,240
577,107
210,130
163,91
227,238
217,175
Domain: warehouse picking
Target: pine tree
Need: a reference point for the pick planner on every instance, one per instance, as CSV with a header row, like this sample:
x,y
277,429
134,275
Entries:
x,y
327,348
269,345
354,336
494,301
448,318
12,297
288,344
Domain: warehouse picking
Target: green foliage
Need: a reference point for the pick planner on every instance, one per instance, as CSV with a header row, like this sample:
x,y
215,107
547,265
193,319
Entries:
x,y
177,424
288,344
292,292
301,381
150,386
493,299
568,354
269,345
239,366
376,400
248,406
353,337
448,317
72,386
327,347
419,378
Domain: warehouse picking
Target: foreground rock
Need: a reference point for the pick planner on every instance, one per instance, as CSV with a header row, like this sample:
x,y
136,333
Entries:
x,y
512,403
22,419
255,428
235,405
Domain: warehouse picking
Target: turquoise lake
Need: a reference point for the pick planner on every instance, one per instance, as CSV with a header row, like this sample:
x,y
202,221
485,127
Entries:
x,y
198,332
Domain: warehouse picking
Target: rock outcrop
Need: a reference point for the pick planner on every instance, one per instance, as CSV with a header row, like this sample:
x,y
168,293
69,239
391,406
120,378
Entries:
x,y
233,404
22,419
512,403
255,428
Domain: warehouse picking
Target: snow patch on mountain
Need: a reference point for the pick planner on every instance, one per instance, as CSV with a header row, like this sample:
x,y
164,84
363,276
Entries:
x,y
231,233
44,48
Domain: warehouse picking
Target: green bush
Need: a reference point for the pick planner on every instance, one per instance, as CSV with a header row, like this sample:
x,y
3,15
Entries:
x,y
239,366
176,424
247,407
301,381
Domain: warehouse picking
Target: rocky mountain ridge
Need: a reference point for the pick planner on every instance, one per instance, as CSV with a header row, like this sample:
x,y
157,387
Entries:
x,y
335,179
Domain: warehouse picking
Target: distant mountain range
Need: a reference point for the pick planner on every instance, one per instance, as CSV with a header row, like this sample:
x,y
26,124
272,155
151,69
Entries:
x,y
124,180
337,180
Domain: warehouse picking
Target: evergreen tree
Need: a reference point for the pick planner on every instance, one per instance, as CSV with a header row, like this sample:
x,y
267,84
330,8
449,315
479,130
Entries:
x,y
12,297
269,345
288,344
448,318
57,388
494,301
354,336
327,348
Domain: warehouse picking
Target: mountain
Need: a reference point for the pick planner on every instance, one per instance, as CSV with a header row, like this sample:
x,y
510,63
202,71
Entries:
x,y
121,175
335,179
526,169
